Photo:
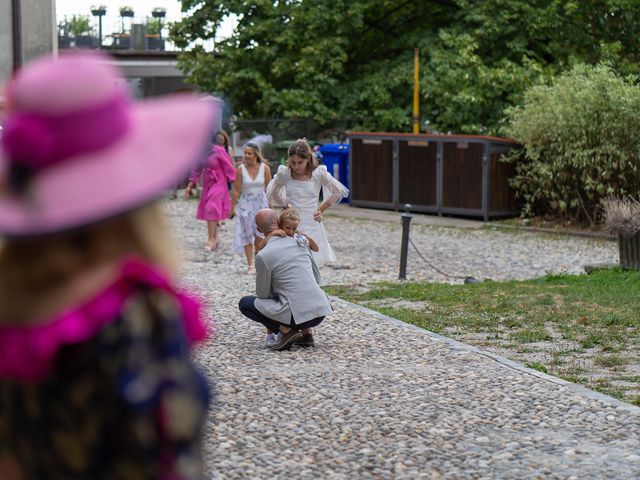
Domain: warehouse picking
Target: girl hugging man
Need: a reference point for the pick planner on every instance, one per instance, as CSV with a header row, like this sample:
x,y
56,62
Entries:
x,y
288,220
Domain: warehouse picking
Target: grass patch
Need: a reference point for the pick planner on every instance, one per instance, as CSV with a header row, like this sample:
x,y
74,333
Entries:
x,y
610,361
531,335
606,388
537,366
597,314
613,346
574,378
590,340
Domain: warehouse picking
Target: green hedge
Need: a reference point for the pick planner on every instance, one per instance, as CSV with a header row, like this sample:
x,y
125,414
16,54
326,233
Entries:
x,y
581,138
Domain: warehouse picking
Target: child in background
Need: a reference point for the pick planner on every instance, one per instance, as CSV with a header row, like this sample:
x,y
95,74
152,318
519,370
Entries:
x,y
289,219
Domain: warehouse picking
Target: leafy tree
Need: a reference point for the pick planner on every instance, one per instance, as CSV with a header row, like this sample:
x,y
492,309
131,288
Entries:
x,y
581,138
496,49
352,59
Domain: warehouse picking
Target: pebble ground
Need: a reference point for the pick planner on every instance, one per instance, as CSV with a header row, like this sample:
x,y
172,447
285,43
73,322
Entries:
x,y
378,399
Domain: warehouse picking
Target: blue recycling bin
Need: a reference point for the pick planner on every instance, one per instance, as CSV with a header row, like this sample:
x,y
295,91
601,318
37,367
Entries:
x,y
336,158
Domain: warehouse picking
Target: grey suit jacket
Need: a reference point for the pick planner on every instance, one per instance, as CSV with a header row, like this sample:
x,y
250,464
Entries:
x,y
287,283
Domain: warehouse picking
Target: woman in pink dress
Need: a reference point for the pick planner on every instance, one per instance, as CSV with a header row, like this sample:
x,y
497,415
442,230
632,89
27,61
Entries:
x,y
215,201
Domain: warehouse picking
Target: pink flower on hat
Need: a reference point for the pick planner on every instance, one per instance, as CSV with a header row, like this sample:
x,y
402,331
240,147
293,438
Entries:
x,y
28,141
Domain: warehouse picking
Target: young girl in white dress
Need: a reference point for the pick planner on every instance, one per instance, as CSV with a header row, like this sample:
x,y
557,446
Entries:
x,y
298,184
252,176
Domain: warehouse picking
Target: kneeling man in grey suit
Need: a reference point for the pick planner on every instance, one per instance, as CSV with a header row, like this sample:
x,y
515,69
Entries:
x,y
288,300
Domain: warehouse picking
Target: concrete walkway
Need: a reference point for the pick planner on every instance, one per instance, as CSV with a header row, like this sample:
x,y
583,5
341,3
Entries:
x,y
381,399
346,211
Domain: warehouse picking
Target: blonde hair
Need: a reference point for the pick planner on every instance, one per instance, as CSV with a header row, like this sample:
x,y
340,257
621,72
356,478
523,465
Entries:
x,y
301,148
289,214
256,151
39,266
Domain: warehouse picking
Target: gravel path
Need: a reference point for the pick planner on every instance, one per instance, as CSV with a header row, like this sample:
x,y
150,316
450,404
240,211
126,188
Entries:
x,y
380,399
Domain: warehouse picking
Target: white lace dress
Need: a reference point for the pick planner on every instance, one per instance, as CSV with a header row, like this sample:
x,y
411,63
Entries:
x,y
303,195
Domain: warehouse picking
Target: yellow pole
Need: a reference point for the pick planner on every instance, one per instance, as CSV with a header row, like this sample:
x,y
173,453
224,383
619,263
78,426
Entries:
x,y
416,91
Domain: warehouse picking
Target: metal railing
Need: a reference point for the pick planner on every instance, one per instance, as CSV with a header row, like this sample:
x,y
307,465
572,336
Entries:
x,y
114,32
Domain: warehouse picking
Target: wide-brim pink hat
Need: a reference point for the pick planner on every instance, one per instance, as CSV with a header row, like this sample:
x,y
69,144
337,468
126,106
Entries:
x,y
76,149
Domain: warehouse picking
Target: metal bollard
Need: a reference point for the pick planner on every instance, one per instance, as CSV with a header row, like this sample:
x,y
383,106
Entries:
x,y
406,225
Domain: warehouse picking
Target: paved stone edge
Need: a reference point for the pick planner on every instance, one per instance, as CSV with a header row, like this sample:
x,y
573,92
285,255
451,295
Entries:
x,y
439,221
579,389
571,233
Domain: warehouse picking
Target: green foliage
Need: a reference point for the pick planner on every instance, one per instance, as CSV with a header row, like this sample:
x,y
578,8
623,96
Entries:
x,y
353,59
582,143
76,26
153,26
469,95
537,366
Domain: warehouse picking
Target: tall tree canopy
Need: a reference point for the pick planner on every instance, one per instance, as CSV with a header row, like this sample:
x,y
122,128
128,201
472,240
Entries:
x,y
352,59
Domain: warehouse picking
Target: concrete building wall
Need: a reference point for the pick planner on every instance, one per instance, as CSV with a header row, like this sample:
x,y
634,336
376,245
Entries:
x,y
152,75
6,41
38,32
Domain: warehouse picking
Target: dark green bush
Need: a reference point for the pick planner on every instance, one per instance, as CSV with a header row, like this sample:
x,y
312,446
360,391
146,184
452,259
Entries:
x,y
581,138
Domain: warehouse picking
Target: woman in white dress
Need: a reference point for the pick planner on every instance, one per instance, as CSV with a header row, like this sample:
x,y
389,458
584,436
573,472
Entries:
x,y
252,176
298,184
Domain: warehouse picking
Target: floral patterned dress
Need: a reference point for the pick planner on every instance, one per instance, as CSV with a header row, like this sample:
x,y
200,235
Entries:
x,y
107,390
252,199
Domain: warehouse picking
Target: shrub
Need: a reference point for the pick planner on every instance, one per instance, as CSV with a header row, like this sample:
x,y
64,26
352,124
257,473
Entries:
x,y
622,215
581,138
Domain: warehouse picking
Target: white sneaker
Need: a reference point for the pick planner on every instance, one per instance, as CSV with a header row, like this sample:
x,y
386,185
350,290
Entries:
x,y
271,339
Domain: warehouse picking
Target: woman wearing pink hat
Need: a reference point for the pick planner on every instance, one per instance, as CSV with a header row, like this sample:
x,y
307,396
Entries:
x,y
96,379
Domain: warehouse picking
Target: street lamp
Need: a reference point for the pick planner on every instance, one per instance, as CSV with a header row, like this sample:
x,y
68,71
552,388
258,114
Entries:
x,y
99,11
125,11
159,13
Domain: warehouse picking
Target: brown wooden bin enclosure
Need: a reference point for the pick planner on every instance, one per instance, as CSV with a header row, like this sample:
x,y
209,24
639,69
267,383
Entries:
x,y
443,174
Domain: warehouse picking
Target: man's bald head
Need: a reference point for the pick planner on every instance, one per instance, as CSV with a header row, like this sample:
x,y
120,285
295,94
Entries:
x,y
267,220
